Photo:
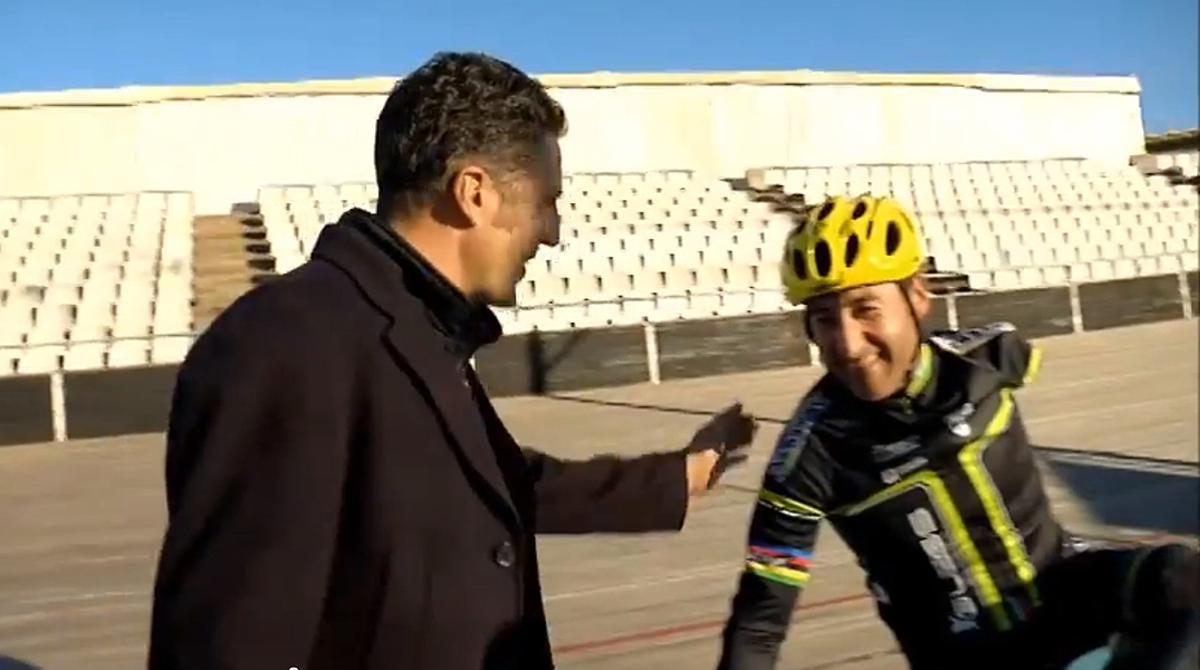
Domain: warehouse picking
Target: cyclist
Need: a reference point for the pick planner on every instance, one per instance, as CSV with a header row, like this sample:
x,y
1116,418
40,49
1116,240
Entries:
x,y
913,448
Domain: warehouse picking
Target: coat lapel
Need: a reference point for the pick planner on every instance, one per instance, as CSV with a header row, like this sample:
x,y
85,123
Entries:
x,y
415,346
450,395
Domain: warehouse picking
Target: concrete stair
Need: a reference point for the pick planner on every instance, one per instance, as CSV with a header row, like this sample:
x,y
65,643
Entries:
x,y
232,256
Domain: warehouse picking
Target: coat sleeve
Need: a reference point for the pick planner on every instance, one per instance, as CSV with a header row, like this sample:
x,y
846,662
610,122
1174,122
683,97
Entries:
x,y
609,493
256,456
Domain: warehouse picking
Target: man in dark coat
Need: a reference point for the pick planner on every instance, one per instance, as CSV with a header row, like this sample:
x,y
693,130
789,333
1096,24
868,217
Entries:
x,y
341,492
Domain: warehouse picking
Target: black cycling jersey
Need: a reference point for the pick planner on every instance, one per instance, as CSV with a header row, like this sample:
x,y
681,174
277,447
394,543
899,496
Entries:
x,y
935,490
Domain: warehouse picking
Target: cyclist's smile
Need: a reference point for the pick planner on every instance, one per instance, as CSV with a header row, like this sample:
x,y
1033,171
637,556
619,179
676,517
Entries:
x,y
867,337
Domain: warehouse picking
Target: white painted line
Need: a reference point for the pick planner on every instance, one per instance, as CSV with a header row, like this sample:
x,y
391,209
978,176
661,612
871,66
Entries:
x,y
701,572
652,352
1185,292
77,597
1076,309
58,406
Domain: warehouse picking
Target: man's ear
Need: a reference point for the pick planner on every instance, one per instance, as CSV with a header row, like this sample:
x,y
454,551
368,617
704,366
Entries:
x,y
473,193
919,297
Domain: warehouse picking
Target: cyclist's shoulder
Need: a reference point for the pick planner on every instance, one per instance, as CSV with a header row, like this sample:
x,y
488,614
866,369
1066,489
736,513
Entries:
x,y
795,441
997,346
973,342
816,404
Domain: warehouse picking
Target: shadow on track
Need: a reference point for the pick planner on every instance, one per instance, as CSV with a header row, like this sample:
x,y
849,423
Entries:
x,y
1152,494
10,663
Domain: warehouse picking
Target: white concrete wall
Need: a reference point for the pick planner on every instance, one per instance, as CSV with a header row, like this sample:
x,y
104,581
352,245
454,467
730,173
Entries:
x,y
224,142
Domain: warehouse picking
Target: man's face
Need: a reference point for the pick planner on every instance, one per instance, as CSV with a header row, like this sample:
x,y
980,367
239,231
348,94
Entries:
x,y
867,336
522,216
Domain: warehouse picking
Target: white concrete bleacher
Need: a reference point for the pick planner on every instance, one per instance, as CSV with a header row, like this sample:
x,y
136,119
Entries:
x,y
1029,224
654,246
94,281
634,246
666,245
294,215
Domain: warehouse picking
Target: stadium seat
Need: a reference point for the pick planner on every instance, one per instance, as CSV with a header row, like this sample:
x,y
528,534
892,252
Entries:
x,y
128,353
169,350
84,356
8,360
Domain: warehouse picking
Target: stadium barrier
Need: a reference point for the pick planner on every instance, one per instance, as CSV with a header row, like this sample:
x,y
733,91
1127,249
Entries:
x,y
124,401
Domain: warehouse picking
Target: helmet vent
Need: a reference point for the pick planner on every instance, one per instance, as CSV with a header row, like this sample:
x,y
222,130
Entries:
x,y
893,237
859,210
870,228
825,210
798,264
823,258
851,250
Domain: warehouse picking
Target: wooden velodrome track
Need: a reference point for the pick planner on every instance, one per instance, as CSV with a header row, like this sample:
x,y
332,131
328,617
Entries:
x,y
1117,410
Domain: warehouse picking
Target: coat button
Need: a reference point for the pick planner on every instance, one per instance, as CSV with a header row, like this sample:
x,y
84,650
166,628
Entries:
x,y
505,555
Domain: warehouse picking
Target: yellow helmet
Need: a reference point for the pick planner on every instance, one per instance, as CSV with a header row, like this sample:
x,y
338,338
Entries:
x,y
850,242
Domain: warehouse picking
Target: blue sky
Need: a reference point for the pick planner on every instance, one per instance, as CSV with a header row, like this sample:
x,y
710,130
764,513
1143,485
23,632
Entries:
x,y
56,44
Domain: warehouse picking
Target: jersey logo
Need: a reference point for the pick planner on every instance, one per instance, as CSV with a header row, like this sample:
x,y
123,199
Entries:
x,y
964,341
882,453
893,475
963,611
795,436
958,420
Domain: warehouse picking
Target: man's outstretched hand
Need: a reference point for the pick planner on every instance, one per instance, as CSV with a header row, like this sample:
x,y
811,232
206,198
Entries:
x,y
719,445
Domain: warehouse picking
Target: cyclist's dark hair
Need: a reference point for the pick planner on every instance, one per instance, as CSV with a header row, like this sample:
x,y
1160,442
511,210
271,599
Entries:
x,y
454,107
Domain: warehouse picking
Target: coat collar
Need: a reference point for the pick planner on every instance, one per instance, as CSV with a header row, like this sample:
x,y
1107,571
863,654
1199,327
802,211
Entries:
x,y
467,325
414,334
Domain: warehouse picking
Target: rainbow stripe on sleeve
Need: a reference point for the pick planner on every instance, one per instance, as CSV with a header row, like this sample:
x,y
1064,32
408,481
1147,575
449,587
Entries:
x,y
779,564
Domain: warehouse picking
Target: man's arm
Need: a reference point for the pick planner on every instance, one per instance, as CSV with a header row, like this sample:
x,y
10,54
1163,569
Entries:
x,y
609,493
640,494
787,514
782,537
256,458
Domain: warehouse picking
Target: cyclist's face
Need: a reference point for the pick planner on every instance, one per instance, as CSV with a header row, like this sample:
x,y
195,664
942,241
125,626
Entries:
x,y
867,336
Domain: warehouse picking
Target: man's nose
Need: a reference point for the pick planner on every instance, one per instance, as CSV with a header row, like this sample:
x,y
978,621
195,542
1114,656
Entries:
x,y
848,340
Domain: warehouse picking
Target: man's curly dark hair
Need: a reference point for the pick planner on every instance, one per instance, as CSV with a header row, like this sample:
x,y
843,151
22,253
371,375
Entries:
x,y
457,106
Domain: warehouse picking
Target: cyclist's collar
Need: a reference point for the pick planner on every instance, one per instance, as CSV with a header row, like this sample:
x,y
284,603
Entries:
x,y
920,377
921,373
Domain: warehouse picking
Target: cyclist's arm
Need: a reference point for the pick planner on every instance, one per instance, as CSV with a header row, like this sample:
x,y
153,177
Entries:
x,y
782,536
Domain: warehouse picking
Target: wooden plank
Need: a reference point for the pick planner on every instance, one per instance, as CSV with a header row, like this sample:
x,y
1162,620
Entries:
x,y
1130,301
702,347
25,411
1035,312
939,314
118,401
537,363
503,367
